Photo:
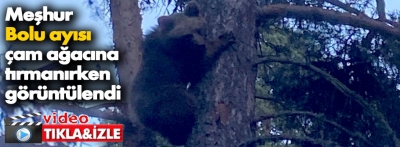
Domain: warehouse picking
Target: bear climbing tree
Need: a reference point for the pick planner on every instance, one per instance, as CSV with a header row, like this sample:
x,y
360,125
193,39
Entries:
x,y
175,54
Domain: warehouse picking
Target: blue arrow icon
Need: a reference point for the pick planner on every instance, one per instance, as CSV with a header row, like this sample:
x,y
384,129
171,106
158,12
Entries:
x,y
22,134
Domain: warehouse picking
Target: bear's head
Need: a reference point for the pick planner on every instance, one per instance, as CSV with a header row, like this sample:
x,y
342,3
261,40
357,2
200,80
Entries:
x,y
188,23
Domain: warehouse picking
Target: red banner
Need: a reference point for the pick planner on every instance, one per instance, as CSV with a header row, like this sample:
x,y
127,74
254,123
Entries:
x,y
82,133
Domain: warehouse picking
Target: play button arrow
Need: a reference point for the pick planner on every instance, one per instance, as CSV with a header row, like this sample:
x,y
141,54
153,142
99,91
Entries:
x,y
23,134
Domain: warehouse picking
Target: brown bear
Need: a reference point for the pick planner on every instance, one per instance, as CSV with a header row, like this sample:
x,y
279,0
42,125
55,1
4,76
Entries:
x,y
175,54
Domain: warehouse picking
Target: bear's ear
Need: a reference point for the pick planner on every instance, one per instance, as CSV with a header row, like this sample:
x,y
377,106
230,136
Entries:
x,y
192,9
165,23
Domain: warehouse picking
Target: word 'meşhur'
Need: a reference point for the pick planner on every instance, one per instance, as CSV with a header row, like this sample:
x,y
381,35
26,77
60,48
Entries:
x,y
63,57
38,16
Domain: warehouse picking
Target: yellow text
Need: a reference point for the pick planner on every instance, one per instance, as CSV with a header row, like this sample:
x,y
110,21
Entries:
x,y
31,34
68,35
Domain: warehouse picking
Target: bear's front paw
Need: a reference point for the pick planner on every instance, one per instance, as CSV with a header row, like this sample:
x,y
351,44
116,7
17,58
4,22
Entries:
x,y
228,38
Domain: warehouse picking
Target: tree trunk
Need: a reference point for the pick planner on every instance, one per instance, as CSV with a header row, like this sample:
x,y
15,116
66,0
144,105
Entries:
x,y
228,92
126,18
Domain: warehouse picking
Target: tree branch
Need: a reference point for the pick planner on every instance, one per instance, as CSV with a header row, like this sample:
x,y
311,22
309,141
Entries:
x,y
331,16
380,8
104,105
317,116
345,6
342,88
91,112
269,99
290,137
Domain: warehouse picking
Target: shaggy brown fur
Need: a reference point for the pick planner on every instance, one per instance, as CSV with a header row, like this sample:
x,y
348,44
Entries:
x,y
175,53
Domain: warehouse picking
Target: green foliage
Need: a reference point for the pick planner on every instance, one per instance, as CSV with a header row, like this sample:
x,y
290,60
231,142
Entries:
x,y
360,67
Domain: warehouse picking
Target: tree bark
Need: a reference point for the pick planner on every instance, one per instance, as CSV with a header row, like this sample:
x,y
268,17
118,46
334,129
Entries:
x,y
227,94
126,18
